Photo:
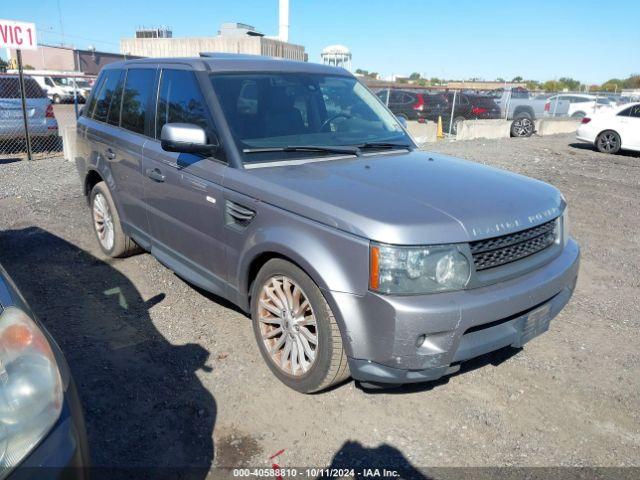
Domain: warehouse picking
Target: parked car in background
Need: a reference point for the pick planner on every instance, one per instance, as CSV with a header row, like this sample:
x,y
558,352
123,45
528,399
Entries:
x,y
421,106
41,118
41,419
311,208
57,88
581,105
467,107
612,130
410,105
519,106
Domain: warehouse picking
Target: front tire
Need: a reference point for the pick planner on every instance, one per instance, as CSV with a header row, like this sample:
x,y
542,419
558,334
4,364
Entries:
x,y
296,331
56,99
106,224
608,142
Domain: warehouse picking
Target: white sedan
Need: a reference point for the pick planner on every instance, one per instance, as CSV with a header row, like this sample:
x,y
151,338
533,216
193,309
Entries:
x,y
612,130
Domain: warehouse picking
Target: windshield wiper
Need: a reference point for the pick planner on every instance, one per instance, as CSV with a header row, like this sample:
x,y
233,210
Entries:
x,y
306,148
388,145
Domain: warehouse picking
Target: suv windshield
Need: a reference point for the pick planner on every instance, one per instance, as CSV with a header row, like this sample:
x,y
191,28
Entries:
x,y
278,110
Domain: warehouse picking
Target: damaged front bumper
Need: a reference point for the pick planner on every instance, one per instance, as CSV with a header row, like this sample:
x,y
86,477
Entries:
x,y
404,339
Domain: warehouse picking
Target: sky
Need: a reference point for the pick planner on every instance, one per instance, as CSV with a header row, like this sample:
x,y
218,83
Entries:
x,y
590,41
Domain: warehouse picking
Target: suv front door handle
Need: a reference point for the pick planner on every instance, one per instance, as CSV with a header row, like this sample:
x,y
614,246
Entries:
x,y
155,175
111,154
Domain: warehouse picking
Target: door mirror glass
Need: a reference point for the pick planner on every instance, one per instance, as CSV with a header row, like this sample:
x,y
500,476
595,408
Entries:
x,y
186,138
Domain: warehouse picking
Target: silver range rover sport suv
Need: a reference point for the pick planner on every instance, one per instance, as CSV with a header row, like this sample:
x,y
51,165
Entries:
x,y
289,189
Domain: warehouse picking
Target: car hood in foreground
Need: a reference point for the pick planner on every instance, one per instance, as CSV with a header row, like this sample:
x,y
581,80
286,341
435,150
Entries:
x,y
405,198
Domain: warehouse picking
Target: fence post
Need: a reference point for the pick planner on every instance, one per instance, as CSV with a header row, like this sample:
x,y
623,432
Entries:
x,y
453,109
75,96
23,98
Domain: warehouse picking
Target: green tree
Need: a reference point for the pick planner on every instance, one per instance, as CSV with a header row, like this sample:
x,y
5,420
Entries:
x,y
517,79
500,79
570,83
533,85
414,76
3,65
435,81
552,86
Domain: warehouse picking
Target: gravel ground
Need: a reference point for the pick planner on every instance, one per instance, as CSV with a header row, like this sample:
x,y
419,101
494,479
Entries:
x,y
171,376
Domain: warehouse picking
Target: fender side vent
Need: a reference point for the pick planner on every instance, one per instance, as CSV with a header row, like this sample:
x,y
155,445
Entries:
x,y
237,216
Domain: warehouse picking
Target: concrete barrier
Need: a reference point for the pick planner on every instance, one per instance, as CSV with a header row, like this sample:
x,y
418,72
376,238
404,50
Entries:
x,y
554,126
423,132
470,129
69,143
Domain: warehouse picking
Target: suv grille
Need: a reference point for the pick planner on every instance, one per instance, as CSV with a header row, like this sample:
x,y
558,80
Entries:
x,y
497,251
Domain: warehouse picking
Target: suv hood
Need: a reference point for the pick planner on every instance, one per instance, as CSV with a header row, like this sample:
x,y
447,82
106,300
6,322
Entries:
x,y
408,198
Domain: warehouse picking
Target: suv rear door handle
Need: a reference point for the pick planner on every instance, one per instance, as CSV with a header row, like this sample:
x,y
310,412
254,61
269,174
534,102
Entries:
x,y
111,154
155,175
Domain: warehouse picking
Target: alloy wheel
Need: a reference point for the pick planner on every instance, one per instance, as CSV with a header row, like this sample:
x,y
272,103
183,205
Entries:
x,y
608,142
287,325
523,127
103,221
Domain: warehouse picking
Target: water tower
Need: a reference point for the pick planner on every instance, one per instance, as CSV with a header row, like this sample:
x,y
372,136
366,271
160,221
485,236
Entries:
x,y
336,56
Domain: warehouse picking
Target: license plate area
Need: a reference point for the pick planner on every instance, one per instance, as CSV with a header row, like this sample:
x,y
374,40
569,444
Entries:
x,y
536,322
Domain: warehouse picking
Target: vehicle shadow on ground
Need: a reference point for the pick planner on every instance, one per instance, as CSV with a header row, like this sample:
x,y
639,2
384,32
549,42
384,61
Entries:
x,y
589,146
147,413
384,458
494,358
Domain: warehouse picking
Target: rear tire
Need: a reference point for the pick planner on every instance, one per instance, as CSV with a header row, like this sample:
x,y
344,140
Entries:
x,y
106,224
280,314
457,121
522,126
56,99
608,142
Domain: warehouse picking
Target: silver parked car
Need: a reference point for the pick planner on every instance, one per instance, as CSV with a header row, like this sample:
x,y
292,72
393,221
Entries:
x,y
289,189
41,119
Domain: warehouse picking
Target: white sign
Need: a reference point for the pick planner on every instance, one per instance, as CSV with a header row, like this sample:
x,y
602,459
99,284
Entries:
x,y
16,35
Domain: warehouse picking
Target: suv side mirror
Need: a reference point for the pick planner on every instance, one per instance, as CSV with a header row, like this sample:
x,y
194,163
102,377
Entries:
x,y
186,138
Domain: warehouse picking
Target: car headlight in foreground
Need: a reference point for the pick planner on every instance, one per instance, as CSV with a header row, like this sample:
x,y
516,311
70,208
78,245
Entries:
x,y
31,393
416,270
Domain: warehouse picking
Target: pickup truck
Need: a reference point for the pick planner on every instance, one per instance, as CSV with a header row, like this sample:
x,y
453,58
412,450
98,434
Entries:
x,y
519,106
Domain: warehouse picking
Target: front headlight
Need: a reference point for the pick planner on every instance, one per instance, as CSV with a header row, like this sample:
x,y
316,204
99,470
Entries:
x,y
415,270
30,387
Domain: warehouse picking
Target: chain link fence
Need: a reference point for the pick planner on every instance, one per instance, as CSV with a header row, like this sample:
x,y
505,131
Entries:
x,y
517,105
49,103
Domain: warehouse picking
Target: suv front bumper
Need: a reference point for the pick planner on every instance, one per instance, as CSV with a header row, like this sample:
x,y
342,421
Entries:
x,y
403,339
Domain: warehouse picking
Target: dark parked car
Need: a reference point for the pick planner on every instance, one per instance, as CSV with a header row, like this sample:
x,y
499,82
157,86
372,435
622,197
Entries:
x,y
422,106
41,420
412,105
290,190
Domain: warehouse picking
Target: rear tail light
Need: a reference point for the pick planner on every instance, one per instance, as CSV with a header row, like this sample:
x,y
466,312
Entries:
x,y
547,107
586,120
419,105
478,110
49,113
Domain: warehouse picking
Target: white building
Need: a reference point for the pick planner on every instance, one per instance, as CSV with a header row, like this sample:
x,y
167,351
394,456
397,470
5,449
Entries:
x,y
336,56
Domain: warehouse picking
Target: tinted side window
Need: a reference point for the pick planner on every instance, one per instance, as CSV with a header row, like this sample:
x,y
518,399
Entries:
x,y
635,111
625,112
114,110
91,105
180,101
103,102
137,89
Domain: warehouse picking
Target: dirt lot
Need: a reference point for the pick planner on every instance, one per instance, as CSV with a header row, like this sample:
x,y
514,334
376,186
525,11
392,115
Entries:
x,y
170,376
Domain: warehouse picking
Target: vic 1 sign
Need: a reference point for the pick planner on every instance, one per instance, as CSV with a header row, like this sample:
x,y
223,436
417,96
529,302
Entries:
x,y
16,35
